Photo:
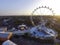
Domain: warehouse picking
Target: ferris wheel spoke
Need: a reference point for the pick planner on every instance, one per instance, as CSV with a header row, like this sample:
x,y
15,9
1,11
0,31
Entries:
x,y
42,11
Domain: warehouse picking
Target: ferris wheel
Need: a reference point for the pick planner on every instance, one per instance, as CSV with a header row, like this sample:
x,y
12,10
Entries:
x,y
41,12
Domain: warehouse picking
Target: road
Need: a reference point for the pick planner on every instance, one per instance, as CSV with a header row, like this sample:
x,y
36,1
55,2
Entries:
x,y
28,41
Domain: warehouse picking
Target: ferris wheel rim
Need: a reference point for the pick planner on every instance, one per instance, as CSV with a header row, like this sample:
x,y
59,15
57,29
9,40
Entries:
x,y
43,7
40,15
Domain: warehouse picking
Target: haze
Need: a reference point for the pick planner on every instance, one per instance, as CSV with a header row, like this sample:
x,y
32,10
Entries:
x,y
25,7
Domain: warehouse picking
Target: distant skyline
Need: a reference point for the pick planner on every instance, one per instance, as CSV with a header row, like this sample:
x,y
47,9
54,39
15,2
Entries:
x,y
25,7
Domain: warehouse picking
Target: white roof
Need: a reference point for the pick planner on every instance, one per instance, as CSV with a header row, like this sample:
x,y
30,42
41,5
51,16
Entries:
x,y
8,42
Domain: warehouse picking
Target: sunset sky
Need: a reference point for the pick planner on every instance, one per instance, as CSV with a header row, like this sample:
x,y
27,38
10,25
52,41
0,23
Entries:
x,y
25,7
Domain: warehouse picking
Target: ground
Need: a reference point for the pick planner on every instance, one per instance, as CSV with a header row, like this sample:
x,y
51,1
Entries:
x,y
31,41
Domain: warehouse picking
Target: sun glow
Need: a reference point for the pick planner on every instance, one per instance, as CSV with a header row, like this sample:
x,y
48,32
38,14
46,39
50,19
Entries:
x,y
26,7
54,4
